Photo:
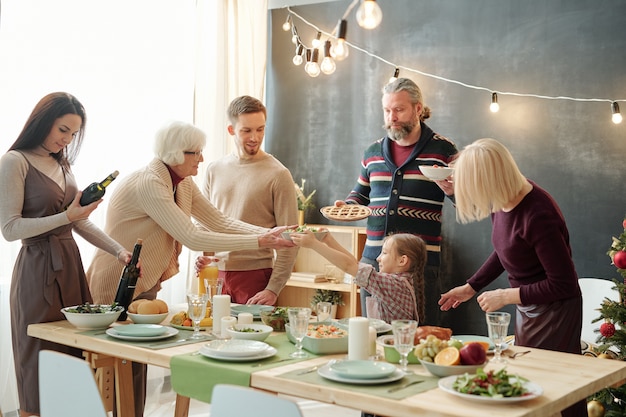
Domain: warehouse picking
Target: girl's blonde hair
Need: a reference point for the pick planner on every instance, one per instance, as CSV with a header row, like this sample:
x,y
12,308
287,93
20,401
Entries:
x,y
414,248
486,178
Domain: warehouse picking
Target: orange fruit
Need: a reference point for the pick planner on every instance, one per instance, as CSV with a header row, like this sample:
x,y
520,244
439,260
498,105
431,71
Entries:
x,y
449,356
485,345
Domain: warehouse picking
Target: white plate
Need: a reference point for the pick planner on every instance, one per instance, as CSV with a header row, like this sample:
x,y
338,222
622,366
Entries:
x,y
270,351
141,330
381,326
235,347
474,338
326,372
534,391
439,173
178,326
254,309
169,333
362,369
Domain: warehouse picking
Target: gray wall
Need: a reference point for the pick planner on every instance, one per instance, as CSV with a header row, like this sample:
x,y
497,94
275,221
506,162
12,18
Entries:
x,y
319,126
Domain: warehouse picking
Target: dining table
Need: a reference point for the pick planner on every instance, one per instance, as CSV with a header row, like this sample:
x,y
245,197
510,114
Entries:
x,y
563,378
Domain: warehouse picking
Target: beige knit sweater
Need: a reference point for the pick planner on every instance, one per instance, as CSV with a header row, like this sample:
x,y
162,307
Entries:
x,y
258,191
144,206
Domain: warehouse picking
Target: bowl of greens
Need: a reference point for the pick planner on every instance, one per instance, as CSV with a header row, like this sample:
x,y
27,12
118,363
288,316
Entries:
x,y
275,318
319,233
249,331
92,316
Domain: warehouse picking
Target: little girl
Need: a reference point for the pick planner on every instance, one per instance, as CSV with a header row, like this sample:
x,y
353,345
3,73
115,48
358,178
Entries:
x,y
401,263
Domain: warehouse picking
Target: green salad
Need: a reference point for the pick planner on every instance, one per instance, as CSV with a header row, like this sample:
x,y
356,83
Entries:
x,y
491,384
88,308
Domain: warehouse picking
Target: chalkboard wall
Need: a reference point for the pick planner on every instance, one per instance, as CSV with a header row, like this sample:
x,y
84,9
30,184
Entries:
x,y
319,127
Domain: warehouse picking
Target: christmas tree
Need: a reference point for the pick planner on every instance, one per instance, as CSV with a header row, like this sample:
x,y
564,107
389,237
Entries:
x,y
611,401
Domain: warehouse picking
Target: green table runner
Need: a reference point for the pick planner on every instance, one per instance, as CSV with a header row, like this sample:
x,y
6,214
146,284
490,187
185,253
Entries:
x,y
429,382
194,375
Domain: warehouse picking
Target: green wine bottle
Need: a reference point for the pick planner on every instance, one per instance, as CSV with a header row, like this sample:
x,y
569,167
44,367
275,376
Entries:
x,y
96,190
128,281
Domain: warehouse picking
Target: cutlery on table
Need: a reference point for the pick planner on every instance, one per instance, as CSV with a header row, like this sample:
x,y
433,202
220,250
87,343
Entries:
x,y
403,386
271,362
514,355
315,368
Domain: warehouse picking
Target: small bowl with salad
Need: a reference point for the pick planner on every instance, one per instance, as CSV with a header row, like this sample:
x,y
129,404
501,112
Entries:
x,y
275,318
253,331
317,231
92,316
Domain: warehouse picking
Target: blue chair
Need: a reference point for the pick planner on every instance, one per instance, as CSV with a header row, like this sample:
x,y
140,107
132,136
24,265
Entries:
x,y
236,401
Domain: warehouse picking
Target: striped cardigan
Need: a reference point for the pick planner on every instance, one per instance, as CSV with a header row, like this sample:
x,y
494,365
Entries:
x,y
401,198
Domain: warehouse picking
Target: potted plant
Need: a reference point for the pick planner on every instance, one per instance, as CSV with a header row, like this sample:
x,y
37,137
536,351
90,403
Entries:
x,y
304,201
331,296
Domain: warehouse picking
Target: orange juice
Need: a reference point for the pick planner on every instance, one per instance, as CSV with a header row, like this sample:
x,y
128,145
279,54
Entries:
x,y
209,272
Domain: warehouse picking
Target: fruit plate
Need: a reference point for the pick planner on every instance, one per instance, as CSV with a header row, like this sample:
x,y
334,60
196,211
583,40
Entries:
x,y
466,338
445,370
534,391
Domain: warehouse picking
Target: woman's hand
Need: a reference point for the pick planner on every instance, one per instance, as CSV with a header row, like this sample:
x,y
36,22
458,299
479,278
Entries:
x,y
76,212
446,185
274,240
496,299
124,256
304,239
456,296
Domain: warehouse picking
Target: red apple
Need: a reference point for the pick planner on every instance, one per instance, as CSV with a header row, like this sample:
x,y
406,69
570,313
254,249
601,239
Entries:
x,y
472,354
619,259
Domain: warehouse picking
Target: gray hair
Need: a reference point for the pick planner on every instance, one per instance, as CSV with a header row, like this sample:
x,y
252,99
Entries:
x,y
176,138
405,84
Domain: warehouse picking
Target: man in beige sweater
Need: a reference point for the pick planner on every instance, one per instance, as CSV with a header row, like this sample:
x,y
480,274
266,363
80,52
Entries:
x,y
253,186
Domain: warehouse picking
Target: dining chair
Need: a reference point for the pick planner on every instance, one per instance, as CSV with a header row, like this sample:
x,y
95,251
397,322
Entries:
x,y
67,387
594,291
236,401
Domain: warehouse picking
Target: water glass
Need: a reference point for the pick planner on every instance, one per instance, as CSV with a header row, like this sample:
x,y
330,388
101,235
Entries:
x,y
404,340
323,311
298,325
196,304
498,326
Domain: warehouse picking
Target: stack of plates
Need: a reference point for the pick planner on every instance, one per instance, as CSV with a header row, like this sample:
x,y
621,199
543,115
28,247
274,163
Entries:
x,y
360,372
237,350
141,332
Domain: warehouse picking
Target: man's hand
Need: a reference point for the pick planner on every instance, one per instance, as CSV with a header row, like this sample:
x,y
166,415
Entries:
x,y
274,240
265,297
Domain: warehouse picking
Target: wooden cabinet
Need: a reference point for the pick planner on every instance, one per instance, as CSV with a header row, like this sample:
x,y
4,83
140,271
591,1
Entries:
x,y
299,293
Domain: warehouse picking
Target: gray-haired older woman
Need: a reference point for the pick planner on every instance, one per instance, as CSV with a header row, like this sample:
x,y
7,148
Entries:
x,y
157,204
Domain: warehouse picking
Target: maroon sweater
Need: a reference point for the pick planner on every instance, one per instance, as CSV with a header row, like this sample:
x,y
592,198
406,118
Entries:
x,y
531,243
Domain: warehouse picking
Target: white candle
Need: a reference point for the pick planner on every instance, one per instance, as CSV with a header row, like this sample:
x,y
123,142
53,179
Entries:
x,y
227,321
372,340
358,338
221,308
245,318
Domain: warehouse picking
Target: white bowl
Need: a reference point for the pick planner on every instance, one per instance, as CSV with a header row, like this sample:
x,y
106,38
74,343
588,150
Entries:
x,y
257,331
92,321
436,173
147,318
445,370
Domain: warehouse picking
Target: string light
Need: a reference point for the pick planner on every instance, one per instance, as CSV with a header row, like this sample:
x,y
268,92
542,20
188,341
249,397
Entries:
x,y
340,51
342,45
369,15
328,65
617,116
494,106
297,58
287,24
395,75
295,39
317,42
312,67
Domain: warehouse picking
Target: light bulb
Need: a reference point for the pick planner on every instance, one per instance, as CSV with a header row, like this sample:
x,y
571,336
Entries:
x,y
328,65
369,15
317,42
340,50
394,77
287,24
494,106
297,58
295,39
617,116
312,67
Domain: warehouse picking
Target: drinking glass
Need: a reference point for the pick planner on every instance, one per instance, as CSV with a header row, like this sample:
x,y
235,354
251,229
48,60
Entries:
x,y
213,286
196,310
404,340
323,309
498,326
298,325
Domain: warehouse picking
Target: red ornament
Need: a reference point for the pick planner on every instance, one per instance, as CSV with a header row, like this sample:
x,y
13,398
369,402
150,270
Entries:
x,y
624,224
607,329
619,259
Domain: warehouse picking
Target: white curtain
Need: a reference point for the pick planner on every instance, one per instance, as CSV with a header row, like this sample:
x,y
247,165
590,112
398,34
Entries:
x,y
135,66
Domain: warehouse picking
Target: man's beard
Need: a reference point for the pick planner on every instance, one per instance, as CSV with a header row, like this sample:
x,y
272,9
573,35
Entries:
x,y
397,134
